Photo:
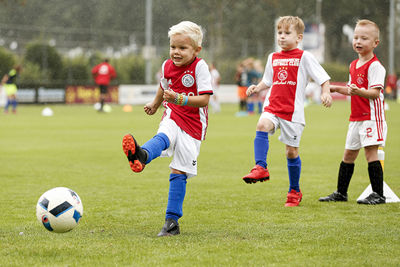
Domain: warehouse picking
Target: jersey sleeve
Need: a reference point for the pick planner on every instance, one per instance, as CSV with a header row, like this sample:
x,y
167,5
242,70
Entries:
x,y
163,81
203,78
376,75
314,69
94,69
268,72
349,80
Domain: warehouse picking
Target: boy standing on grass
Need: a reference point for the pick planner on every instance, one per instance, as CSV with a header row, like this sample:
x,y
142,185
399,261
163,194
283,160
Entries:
x,y
10,85
184,90
286,74
367,128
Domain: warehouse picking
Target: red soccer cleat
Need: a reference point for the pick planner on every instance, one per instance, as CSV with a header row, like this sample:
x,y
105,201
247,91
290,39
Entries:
x,y
293,198
135,154
257,174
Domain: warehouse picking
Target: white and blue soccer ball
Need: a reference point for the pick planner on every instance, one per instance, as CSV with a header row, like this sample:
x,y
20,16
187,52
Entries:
x,y
59,209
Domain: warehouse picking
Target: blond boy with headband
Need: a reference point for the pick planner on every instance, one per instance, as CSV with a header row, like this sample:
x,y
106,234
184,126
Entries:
x,y
286,75
367,128
184,91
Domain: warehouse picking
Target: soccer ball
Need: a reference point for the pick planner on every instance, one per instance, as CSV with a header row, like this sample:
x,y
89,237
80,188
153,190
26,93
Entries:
x,y
47,112
59,209
97,106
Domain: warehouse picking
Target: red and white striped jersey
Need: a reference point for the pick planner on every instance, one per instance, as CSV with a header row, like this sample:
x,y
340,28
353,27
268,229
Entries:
x,y
370,75
287,74
190,80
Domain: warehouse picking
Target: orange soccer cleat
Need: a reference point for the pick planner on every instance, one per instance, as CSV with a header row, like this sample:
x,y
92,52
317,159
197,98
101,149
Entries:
x,y
136,155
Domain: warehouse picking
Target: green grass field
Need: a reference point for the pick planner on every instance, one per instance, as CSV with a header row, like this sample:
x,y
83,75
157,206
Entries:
x,y
226,222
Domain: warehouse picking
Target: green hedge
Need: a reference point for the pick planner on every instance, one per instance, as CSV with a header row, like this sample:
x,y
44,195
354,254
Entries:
x,y
7,61
338,72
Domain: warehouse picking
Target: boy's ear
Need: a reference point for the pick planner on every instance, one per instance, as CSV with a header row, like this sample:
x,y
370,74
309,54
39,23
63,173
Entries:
x,y
300,37
197,50
376,43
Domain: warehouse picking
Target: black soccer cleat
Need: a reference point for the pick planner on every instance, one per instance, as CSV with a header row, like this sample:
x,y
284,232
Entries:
x,y
372,199
335,197
136,155
171,227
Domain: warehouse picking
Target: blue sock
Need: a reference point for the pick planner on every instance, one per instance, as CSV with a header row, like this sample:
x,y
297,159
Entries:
x,y
294,168
250,107
155,146
176,195
261,146
14,104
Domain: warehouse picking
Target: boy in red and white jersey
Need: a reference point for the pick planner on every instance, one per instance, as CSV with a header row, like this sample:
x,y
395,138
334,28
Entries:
x,y
184,91
367,128
286,75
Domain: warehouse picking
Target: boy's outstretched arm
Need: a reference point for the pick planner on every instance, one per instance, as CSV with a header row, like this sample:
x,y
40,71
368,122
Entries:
x,y
151,108
326,97
372,93
196,101
339,89
256,88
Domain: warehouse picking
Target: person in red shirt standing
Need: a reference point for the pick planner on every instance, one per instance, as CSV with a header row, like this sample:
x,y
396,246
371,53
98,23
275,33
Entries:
x,y
103,73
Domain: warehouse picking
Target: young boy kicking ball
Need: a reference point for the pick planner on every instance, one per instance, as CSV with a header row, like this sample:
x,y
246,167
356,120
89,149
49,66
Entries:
x,y
184,90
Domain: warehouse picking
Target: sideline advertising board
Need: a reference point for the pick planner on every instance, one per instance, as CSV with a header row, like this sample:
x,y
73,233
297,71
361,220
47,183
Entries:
x,y
88,94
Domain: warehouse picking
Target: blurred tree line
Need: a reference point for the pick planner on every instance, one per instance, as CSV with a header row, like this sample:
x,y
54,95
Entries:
x,y
41,34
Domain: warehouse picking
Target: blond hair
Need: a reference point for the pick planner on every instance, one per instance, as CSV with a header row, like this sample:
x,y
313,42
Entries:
x,y
366,22
286,21
194,31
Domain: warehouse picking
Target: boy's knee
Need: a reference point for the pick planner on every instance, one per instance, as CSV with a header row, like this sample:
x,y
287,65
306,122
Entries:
x,y
265,125
292,152
177,175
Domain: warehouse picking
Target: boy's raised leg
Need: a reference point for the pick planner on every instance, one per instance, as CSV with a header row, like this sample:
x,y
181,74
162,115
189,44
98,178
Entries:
x,y
137,156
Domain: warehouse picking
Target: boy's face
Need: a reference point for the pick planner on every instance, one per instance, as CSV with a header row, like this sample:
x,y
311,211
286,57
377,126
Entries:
x,y
288,38
181,50
365,39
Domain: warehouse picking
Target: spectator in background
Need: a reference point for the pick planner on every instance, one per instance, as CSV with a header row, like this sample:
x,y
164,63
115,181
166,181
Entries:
x,y
241,81
253,77
215,80
103,73
397,93
260,97
390,89
9,84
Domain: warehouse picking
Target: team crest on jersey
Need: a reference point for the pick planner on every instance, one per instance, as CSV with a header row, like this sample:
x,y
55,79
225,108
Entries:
x,y
360,80
282,75
187,80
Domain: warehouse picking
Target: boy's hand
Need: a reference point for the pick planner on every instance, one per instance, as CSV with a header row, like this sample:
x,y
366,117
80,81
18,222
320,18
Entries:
x,y
251,90
150,108
326,99
169,96
354,90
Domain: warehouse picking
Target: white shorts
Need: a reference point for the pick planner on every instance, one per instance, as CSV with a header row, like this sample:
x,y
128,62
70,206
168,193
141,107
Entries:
x,y
183,147
290,131
366,133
